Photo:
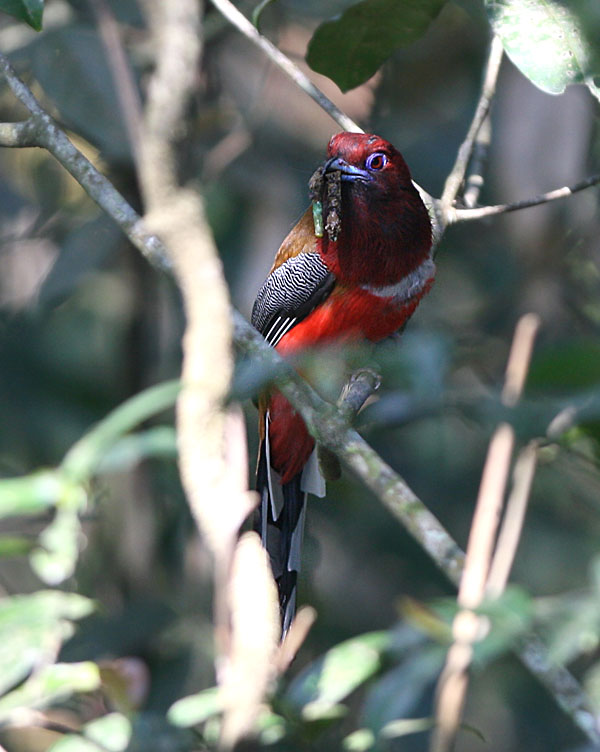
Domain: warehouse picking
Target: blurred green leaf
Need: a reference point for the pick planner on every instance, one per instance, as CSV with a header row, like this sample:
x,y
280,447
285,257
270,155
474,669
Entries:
x,y
548,41
399,691
159,442
56,557
32,494
331,678
84,457
271,727
350,49
74,743
30,11
406,726
359,741
51,684
15,546
112,732
195,709
32,627
511,616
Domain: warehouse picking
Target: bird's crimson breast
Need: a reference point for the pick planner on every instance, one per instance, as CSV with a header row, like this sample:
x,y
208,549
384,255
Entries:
x,y
351,314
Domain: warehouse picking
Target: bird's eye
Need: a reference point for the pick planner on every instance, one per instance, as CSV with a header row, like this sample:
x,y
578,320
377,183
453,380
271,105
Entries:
x,y
376,161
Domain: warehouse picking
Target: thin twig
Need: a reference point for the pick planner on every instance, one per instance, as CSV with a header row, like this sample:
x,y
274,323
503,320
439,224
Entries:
x,y
235,17
464,215
512,524
468,627
474,181
457,174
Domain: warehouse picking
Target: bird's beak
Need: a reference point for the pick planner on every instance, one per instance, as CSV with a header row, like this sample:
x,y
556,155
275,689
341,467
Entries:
x,y
348,171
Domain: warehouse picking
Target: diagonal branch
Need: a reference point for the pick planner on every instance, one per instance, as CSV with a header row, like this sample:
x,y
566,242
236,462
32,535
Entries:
x,y
235,17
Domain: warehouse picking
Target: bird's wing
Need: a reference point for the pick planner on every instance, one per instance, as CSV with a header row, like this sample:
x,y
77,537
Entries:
x,y
291,291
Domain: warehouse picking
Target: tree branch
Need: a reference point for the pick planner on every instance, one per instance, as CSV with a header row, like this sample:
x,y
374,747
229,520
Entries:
x,y
464,215
457,174
235,17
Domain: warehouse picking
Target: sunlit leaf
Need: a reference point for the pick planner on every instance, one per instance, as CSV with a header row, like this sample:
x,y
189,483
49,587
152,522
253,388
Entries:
x,y
350,49
331,678
32,494
359,741
549,42
112,731
31,629
195,709
30,11
51,684
74,743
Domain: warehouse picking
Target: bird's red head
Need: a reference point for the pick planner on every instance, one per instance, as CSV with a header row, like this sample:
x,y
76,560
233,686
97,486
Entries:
x,y
385,227
369,159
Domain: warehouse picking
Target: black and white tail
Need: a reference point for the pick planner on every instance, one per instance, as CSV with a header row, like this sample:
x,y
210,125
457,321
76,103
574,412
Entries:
x,y
280,522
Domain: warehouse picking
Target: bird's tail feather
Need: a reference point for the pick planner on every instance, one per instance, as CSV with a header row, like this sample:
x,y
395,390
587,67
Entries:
x,y
280,522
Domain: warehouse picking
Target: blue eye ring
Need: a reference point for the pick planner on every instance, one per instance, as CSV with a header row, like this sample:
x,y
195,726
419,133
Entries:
x,y
376,161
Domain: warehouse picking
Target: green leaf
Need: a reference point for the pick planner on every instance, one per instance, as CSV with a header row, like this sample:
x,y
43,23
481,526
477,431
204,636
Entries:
x,y
84,457
31,629
56,558
15,546
30,11
320,687
195,709
32,494
158,442
406,726
511,616
349,49
112,732
74,743
51,684
550,41
399,691
359,741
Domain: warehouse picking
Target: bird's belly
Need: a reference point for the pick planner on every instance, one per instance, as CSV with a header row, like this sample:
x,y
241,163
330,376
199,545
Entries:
x,y
349,315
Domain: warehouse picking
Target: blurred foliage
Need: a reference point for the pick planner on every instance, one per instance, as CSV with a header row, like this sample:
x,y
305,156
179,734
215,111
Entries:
x,y
90,351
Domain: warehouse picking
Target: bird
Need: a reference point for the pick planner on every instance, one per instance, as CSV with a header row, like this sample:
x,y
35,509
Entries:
x,y
359,277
